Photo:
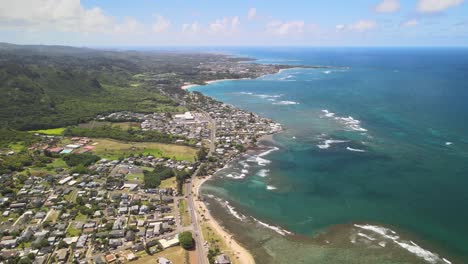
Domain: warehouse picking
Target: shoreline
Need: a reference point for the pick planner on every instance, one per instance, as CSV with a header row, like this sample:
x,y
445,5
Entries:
x,y
241,254
187,86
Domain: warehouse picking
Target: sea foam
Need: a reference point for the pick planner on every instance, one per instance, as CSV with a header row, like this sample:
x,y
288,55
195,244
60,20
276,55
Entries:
x,y
263,173
410,246
286,103
349,122
355,150
327,143
233,211
277,229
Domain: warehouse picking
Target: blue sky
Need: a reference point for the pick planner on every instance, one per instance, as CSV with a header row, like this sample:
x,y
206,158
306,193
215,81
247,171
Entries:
x,y
232,23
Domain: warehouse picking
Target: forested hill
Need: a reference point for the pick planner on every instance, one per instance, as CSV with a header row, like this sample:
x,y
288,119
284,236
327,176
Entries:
x,y
56,86
47,86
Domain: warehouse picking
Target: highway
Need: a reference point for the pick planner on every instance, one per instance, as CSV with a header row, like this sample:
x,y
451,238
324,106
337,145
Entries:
x,y
198,236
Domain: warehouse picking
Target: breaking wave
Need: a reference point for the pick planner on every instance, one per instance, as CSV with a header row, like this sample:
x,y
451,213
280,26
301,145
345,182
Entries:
x,y
327,143
263,173
349,122
277,229
410,246
233,212
355,150
286,103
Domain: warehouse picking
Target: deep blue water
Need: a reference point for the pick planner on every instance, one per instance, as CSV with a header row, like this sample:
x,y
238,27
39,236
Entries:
x,y
409,124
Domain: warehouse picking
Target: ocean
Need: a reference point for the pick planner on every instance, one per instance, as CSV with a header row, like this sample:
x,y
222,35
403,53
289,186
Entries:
x,y
372,165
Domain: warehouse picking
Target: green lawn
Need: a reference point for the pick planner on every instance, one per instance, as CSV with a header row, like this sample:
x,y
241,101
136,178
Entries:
x,y
169,183
135,177
52,131
72,231
81,217
17,147
184,213
113,149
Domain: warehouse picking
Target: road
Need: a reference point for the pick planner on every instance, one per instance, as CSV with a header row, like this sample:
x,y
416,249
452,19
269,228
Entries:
x,y
198,235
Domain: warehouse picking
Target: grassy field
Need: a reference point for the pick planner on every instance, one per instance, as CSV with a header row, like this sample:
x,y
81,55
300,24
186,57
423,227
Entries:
x,y
169,183
122,125
17,147
113,149
184,213
53,216
174,254
52,131
81,217
71,231
57,163
135,177
215,240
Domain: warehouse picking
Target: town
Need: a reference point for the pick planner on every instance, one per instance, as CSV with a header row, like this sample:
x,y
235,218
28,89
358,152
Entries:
x,y
127,208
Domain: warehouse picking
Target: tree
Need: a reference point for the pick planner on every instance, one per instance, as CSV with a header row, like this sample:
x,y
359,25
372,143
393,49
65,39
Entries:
x,y
186,240
201,154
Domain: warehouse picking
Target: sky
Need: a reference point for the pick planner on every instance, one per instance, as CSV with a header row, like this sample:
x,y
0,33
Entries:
x,y
148,23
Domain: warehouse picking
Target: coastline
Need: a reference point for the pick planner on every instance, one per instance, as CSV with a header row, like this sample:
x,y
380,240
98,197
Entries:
x,y
187,86
240,253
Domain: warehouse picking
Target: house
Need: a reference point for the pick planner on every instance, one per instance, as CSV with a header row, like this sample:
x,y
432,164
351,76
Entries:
x,y
9,243
222,259
62,255
116,233
115,242
162,260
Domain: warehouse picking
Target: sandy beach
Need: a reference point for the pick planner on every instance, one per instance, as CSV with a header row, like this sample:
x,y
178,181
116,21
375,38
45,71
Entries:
x,y
243,256
187,86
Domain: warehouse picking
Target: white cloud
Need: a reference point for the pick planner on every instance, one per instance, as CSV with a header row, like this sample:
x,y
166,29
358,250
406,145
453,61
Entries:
x,y
252,13
388,6
432,6
277,27
193,28
409,23
360,26
161,24
226,25
53,15
129,25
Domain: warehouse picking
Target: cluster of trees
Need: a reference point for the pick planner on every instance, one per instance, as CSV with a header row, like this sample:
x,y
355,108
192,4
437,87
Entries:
x,y
9,136
84,159
65,86
152,179
19,161
202,154
118,133
186,240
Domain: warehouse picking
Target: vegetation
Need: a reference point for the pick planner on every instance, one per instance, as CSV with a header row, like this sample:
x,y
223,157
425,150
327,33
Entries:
x,y
112,149
184,213
52,131
84,159
117,133
152,179
186,240
9,136
18,162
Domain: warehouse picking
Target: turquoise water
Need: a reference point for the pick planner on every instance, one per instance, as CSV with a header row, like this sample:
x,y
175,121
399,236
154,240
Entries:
x,y
399,118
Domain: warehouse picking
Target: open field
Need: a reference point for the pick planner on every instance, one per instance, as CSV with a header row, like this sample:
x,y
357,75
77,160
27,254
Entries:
x,y
122,125
169,183
174,254
52,131
53,216
216,241
113,149
184,213
135,177
72,231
